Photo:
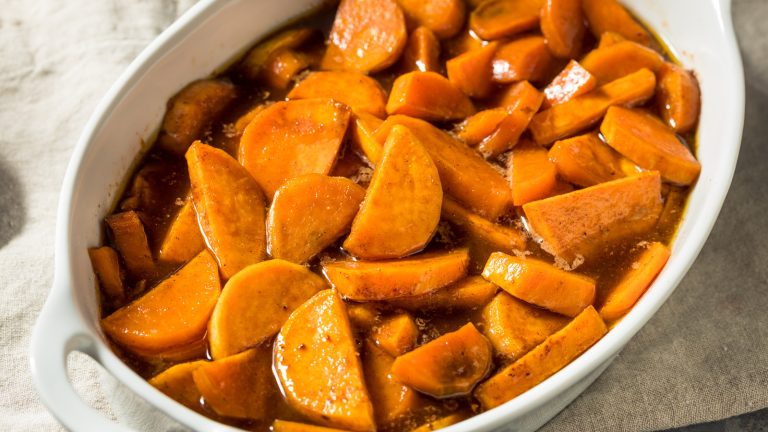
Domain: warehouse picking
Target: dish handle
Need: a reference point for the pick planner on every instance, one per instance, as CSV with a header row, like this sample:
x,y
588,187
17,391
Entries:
x,y
59,330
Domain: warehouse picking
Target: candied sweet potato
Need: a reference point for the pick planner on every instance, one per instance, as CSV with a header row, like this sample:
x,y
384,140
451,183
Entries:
x,y
443,17
468,293
495,19
428,96
422,52
526,58
363,137
396,334
282,67
472,72
609,38
481,125
621,59
522,101
572,81
253,64
183,240
532,175
562,23
107,267
678,98
132,243
393,401
178,383
610,16
585,160
359,92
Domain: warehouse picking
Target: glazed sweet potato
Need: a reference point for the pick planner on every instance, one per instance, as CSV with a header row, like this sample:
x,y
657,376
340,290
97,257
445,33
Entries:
x,y
107,267
481,125
428,96
393,401
651,144
443,17
448,366
132,243
357,91
385,280
422,52
469,293
256,302
396,334
466,41
585,160
289,426
471,72
367,36
496,19
318,366
589,221
532,175
572,81
621,59
178,383
363,316
184,239
540,283
678,98
526,58
610,16
309,213
230,208
543,361
253,64
282,67
562,23
363,137
522,101
274,145
609,38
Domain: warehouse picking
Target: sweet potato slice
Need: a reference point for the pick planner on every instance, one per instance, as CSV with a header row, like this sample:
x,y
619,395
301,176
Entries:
x,y
393,401
240,386
385,280
515,327
440,423
621,59
289,426
131,241
466,294
396,335
359,92
466,41
275,145
422,52
405,191
495,19
309,213
540,283
572,81
471,72
635,282
526,58
464,174
148,324
429,96
184,239
562,22
256,302
585,160
543,361
610,16
363,316
481,125
318,366
367,36
609,38
532,175
583,111
522,102
450,365
282,66
177,382
230,208
107,267
363,137
253,64
588,221
191,111
651,144
444,17
678,98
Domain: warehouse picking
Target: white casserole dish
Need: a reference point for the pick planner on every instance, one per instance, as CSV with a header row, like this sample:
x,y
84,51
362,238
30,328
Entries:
x,y
208,36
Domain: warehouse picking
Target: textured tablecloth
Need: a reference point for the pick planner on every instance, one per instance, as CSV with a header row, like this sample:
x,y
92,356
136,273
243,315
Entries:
x,y
703,357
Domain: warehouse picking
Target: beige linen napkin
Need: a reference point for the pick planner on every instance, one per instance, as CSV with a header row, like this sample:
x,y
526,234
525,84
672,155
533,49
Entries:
x,y
704,356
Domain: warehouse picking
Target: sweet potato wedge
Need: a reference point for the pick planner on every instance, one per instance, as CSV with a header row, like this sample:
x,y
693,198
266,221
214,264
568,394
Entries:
x,y
526,58
396,334
253,64
610,16
318,366
471,72
132,243
450,365
621,59
651,144
363,316
289,426
543,361
468,293
609,38
148,325
540,283
393,401
585,160
522,102
581,112
229,206
385,280
635,282
572,81
367,36
587,221
481,125
359,92
282,67
422,52
562,23
464,174
515,327
466,41
309,213
363,137
405,191
532,175
107,267
678,98
275,144
177,382
183,240
428,96
444,17
256,302
495,19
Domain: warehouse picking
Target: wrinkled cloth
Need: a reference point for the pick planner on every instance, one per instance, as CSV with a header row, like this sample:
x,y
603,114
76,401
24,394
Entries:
x,y
703,357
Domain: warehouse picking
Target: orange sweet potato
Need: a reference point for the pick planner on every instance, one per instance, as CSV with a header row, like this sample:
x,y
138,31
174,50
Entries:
x,y
107,267
309,213
363,138
318,366
184,239
464,174
581,112
532,175
254,63
396,335
678,98
610,16
393,400
540,283
385,280
562,23
635,282
572,81
621,59
515,327
585,160
429,96
481,125
357,91
229,206
526,58
522,102
422,52
131,241
495,19
609,38
367,36
450,365
471,72
177,382
289,426
444,17
466,294
651,144
543,361
363,316
148,325
588,221
405,191
275,145
256,302
465,41
282,66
